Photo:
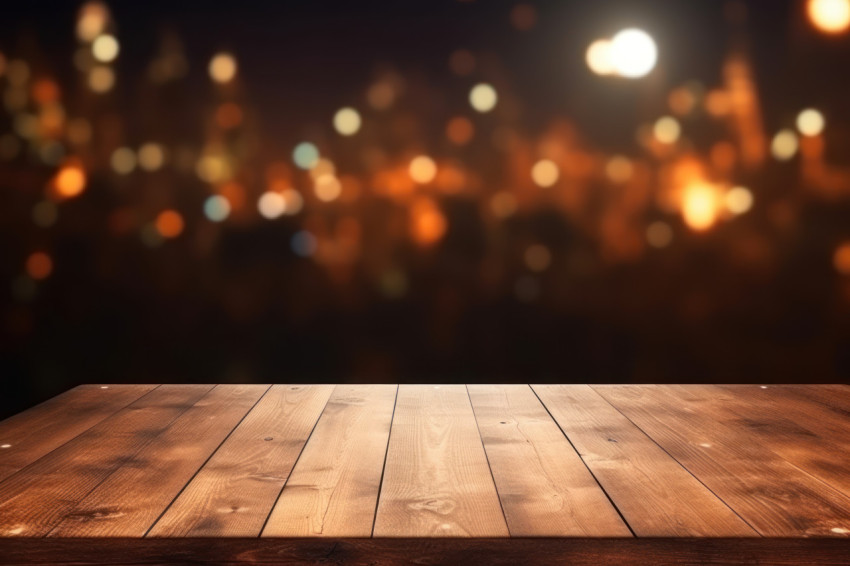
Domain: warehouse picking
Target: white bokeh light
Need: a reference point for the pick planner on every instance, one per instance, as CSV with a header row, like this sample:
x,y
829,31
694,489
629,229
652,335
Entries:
x,y
633,53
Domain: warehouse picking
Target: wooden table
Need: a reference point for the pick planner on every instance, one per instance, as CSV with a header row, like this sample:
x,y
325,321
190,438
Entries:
x,y
434,473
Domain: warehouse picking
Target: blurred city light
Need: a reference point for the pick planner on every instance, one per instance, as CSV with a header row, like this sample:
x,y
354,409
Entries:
x,y
830,16
633,53
810,122
483,97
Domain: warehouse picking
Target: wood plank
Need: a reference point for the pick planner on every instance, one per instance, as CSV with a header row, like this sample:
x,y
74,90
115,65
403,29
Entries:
x,y
774,496
128,502
544,486
233,494
393,551
333,489
33,433
800,430
34,499
436,480
654,493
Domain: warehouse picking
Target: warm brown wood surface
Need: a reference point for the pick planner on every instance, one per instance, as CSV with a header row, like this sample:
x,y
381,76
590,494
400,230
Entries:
x,y
638,466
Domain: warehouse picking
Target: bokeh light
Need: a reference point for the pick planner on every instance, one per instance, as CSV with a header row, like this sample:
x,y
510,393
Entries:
x,y
347,121
39,265
739,200
105,48
70,181
483,97
101,79
217,208
830,16
633,53
700,206
304,243
600,58
810,122
169,223
784,145
151,156
123,160
460,130
841,259
422,169
305,155
327,187
271,205
545,173
223,68
667,130
91,21
659,234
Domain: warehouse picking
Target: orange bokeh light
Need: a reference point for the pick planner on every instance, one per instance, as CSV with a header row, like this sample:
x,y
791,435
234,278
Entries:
x,y
69,181
39,265
460,130
169,223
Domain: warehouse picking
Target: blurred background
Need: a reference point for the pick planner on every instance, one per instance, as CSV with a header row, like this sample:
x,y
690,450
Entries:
x,y
423,191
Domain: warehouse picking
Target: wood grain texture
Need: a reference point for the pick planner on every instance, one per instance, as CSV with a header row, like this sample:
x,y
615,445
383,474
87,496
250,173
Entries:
x,y
772,495
404,551
34,499
128,502
799,429
656,495
33,433
233,494
437,481
545,488
333,489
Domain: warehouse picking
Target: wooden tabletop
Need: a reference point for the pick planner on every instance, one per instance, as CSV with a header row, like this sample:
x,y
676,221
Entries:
x,y
373,466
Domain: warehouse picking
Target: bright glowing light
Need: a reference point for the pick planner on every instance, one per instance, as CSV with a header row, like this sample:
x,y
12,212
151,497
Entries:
x,y
105,48
785,145
659,234
422,169
667,130
223,68
123,160
810,122
739,200
841,259
545,173
700,206
304,243
305,155
169,224
217,208
830,16
70,181
483,97
39,265
347,121
101,79
633,53
600,58
151,156
271,205
538,258
327,187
